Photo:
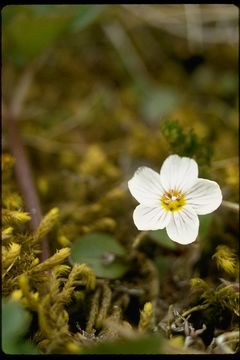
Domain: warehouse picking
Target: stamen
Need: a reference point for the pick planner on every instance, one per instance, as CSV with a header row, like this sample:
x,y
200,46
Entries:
x,y
173,200
167,201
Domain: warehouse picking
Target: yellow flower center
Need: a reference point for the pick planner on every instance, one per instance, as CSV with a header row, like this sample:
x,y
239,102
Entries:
x,y
173,200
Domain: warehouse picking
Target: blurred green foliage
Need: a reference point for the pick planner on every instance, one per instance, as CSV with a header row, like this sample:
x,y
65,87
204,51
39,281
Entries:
x,y
142,345
28,31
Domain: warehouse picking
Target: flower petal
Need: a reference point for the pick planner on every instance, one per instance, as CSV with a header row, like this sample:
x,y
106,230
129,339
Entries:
x,y
151,218
204,197
178,173
184,225
146,187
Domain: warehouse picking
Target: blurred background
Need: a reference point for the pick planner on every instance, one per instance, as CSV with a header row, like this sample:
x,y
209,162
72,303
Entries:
x,y
92,88
83,80
98,90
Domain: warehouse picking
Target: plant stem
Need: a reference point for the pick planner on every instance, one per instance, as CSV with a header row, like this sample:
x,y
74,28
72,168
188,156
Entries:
x,y
25,178
231,205
195,308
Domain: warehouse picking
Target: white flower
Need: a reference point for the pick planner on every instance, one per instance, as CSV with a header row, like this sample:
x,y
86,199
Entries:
x,y
174,198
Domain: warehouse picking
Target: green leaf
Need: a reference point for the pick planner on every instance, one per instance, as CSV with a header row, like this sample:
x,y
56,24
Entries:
x,y
15,320
162,264
142,345
101,252
27,35
205,223
19,347
86,14
161,237
15,323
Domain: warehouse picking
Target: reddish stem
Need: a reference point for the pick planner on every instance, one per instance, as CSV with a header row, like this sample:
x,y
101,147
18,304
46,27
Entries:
x,y
25,179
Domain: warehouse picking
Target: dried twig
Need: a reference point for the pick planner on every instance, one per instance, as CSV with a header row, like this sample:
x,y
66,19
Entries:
x,y
231,205
22,166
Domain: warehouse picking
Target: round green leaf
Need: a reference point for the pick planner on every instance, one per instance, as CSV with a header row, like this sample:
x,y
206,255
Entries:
x,y
15,319
102,253
205,224
15,323
161,237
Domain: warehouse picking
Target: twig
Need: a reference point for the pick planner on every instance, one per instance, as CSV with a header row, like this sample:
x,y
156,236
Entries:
x,y
22,87
231,205
194,26
133,63
171,18
22,165
25,178
219,164
20,92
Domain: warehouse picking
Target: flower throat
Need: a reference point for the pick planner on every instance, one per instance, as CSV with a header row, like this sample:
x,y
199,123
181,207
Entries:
x,y
173,200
